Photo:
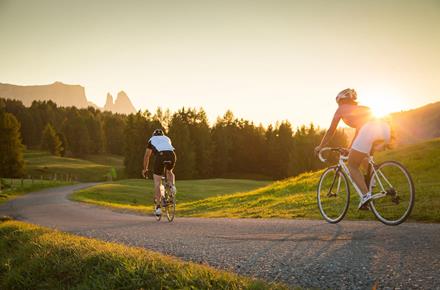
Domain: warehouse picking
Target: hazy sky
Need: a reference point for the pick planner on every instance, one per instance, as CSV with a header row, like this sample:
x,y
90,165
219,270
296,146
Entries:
x,y
264,60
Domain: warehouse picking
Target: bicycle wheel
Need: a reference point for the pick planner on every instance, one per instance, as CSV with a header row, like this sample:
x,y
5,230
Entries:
x,y
395,184
333,195
171,204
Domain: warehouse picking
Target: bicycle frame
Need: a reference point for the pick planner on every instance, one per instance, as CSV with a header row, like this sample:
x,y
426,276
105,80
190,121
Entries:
x,y
375,173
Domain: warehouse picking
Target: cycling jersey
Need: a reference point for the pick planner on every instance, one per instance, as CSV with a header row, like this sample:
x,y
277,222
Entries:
x,y
160,144
353,115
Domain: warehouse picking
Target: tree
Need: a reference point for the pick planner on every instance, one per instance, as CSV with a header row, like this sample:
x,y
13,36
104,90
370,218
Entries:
x,y
11,148
63,140
50,141
138,130
179,132
113,127
77,134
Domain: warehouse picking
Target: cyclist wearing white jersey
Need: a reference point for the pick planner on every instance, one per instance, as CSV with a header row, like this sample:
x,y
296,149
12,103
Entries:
x,y
160,146
368,131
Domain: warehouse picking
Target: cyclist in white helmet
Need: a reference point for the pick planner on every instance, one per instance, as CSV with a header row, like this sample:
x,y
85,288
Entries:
x,y
368,131
160,145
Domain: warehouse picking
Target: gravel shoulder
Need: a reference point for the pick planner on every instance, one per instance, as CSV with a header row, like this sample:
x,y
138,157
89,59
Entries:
x,y
310,254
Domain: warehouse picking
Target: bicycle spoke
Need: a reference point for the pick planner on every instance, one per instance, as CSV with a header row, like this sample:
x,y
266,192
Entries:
x,y
332,204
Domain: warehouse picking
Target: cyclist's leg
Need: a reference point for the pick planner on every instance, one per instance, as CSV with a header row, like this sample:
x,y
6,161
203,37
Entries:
x,y
355,159
157,177
170,174
157,182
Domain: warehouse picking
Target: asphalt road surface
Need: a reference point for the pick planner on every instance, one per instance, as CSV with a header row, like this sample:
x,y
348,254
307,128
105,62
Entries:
x,y
305,253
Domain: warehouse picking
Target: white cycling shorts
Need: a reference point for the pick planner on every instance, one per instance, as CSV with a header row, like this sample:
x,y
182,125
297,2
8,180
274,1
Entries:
x,y
369,133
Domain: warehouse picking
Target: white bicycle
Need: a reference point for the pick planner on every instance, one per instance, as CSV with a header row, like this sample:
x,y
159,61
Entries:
x,y
390,183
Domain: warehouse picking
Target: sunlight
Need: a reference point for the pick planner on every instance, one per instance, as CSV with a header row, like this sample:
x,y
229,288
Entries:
x,y
382,101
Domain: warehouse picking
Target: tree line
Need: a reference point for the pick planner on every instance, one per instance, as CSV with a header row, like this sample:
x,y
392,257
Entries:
x,y
231,147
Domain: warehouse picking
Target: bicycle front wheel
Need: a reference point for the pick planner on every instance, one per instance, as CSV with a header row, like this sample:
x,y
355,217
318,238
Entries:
x,y
171,205
333,195
393,183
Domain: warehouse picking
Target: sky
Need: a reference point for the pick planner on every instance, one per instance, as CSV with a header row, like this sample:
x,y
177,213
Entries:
x,y
266,61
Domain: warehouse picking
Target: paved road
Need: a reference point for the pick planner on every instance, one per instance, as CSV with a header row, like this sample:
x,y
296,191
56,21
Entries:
x,y
350,255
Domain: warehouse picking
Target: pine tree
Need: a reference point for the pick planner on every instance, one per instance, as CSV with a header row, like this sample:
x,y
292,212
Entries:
x,y
11,148
50,141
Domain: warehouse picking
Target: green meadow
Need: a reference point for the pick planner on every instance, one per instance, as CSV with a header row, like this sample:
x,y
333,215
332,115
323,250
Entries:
x,y
33,257
137,194
291,198
92,168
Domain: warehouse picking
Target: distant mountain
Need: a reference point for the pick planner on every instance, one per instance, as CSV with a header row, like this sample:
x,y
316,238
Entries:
x,y
64,95
122,104
418,124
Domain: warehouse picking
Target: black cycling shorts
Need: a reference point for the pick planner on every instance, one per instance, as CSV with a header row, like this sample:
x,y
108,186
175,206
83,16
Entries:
x,y
159,161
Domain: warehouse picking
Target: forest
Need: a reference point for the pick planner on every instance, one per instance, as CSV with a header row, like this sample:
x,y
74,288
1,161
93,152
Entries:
x,y
230,147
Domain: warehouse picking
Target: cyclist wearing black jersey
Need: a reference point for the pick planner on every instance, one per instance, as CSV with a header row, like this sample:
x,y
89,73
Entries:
x,y
160,146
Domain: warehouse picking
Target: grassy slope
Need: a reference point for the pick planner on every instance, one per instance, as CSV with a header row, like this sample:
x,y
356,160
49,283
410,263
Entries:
x,y
33,257
296,197
137,194
28,186
290,198
94,169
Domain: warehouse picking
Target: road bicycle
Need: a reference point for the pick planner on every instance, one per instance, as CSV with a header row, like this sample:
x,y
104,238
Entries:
x,y
167,201
390,183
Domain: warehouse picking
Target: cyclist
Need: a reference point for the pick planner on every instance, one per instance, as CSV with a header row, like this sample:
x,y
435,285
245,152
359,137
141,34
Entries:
x,y
368,131
160,145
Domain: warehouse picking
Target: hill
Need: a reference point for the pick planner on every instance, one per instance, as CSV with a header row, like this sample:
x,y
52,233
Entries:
x,y
296,197
290,198
96,168
64,95
61,94
418,124
122,104
136,194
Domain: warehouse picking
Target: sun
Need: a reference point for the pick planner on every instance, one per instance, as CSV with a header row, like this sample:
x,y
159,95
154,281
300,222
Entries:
x,y
382,102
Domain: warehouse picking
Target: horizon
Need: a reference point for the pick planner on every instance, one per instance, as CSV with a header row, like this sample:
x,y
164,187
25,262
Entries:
x,y
268,62
212,121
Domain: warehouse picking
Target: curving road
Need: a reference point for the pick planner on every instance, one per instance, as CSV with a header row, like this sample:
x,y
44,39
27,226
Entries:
x,y
312,254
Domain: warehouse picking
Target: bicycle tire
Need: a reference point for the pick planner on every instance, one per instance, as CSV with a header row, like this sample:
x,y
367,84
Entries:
x,y
320,189
378,205
171,204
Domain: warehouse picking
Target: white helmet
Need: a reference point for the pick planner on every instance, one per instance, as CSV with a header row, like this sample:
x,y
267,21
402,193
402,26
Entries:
x,y
347,94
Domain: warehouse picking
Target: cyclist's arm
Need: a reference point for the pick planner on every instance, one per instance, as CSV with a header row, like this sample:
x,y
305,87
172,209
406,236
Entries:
x,y
331,131
147,158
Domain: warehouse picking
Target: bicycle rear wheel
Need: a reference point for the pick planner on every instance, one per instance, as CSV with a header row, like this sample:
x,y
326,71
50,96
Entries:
x,y
171,204
333,195
394,182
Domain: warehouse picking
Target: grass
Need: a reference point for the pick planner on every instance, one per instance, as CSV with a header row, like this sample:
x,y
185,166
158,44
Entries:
x,y
96,168
137,194
33,257
16,188
294,197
